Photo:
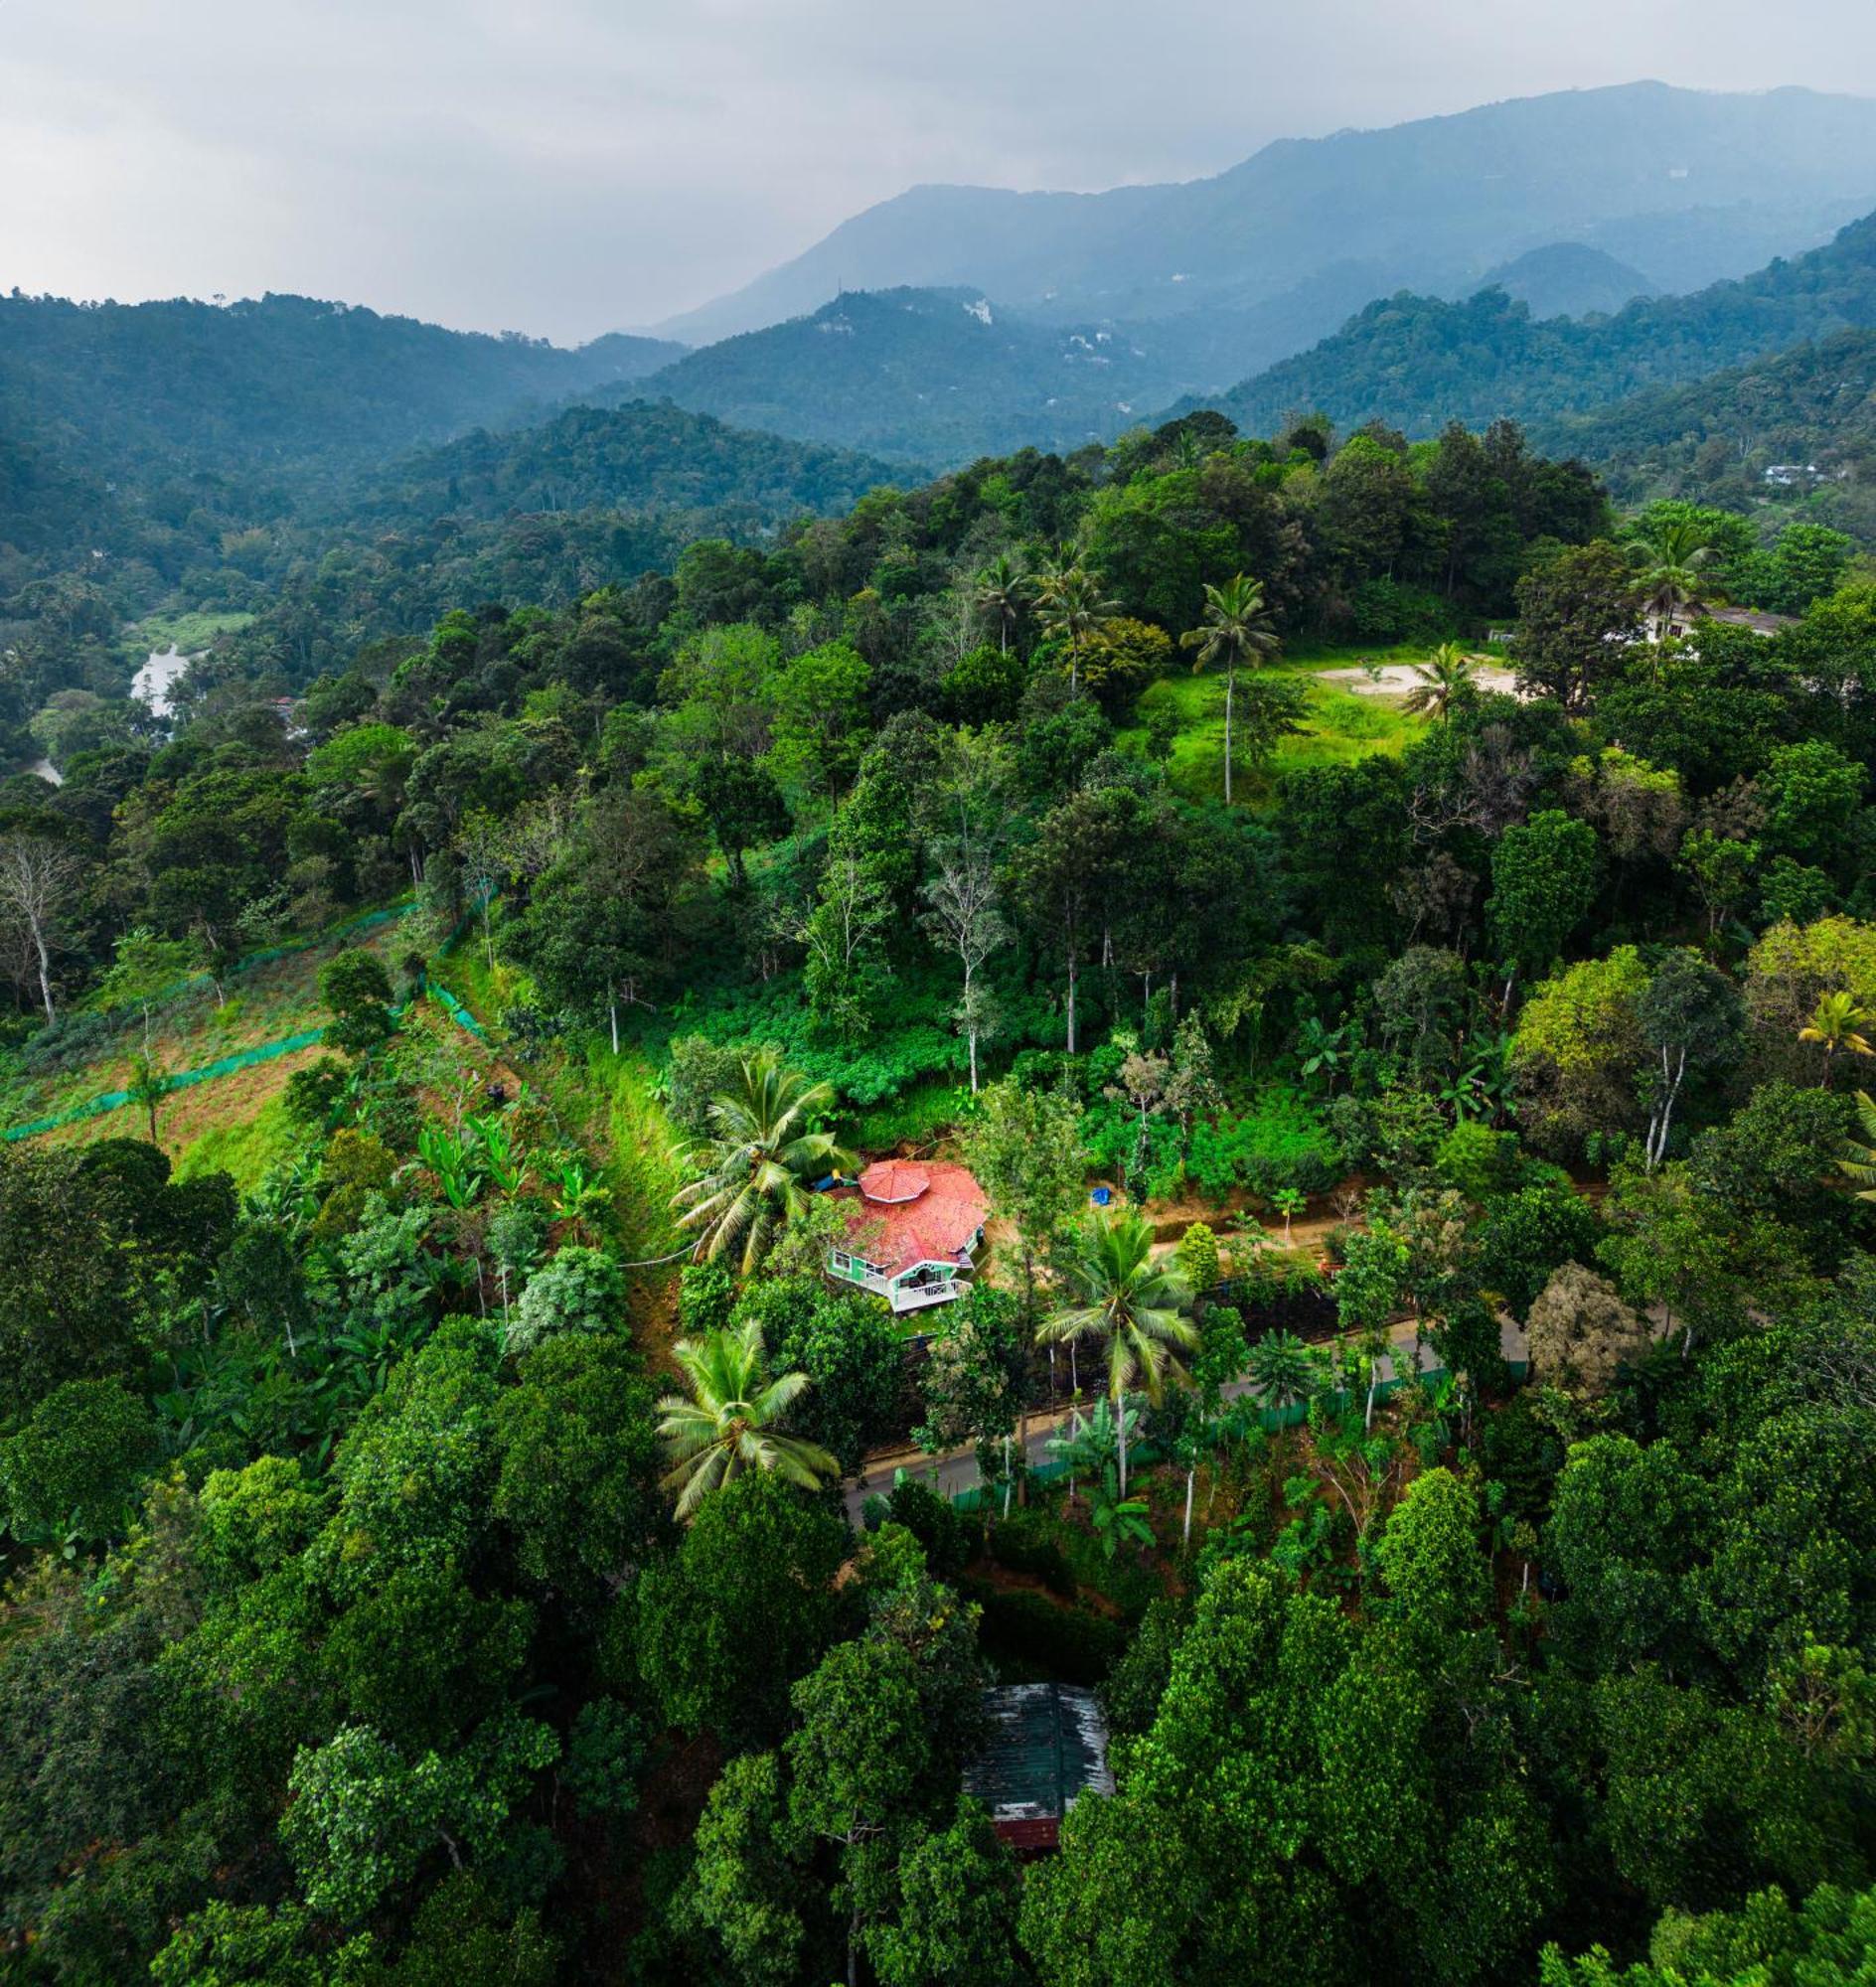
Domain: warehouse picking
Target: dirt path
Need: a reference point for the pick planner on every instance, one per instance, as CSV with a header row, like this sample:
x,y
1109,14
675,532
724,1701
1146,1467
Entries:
x,y
1397,678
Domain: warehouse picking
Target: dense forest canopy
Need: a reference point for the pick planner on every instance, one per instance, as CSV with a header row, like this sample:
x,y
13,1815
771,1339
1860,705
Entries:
x,y
1417,1371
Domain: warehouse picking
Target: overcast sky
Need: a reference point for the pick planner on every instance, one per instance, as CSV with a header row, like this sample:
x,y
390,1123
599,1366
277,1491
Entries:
x,y
567,167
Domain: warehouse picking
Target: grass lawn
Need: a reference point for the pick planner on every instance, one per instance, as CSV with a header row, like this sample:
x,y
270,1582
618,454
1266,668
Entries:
x,y
1339,727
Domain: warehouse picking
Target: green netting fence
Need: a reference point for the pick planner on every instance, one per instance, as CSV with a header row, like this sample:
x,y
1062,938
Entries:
x,y
227,1065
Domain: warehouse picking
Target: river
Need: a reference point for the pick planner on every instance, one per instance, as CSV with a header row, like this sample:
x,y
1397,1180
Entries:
x,y
152,683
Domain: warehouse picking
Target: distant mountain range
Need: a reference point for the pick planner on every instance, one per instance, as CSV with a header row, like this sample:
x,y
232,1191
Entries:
x,y
1419,361
1686,185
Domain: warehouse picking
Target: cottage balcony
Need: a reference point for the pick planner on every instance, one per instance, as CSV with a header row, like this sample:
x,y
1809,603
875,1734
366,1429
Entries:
x,y
921,1296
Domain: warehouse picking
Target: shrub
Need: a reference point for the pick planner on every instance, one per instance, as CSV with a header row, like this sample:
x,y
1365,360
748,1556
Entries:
x,y
1028,1632
1282,1143
947,1535
580,1290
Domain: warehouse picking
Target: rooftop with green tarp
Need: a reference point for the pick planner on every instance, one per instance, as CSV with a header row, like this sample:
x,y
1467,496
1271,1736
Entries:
x,y
1048,1747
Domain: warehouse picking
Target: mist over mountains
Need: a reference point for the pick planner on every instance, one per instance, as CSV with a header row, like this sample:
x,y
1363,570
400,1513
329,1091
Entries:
x,y
1684,185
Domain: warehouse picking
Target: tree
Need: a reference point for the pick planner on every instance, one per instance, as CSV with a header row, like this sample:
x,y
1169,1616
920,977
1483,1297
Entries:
x,y
1431,1557
759,1154
1836,1024
1687,1011
1445,677
1582,1333
1130,1304
1236,631
952,1914
38,876
858,1757
1003,597
1071,608
730,1422
964,917
76,1460
579,1289
1577,618
576,1461
1543,882
1024,1147
149,1084
363,1815
755,1553
357,991
1856,1158
745,1889
744,806
1673,578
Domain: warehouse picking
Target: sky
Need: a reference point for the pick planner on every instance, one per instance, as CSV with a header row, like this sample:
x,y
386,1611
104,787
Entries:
x,y
569,167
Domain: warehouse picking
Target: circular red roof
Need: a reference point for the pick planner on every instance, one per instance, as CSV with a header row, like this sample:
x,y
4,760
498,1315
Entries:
x,y
893,1179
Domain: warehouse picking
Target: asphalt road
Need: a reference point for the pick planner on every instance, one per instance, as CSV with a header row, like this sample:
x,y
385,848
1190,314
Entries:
x,y
956,1469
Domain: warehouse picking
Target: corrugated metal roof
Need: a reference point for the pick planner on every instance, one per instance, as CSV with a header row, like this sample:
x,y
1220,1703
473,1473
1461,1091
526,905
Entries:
x,y
1048,1747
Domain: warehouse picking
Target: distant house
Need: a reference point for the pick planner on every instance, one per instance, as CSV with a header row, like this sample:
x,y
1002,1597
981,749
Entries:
x,y
1725,617
1047,1748
911,1232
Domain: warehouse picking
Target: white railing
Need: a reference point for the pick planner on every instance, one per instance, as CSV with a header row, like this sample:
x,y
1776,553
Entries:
x,y
923,1295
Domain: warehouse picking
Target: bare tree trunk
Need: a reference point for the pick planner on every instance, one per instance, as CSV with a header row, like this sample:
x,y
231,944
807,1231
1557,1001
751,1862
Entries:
x,y
1230,687
1071,998
1119,1423
1189,1475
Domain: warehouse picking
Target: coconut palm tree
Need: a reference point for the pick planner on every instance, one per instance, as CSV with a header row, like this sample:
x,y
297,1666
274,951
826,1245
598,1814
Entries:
x,y
756,1163
1858,1157
1002,593
1235,631
1673,579
1837,1023
1071,608
1132,1305
726,1422
1446,674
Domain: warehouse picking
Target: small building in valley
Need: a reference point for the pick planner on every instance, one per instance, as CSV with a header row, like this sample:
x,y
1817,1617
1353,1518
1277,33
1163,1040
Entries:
x,y
912,1231
1048,1747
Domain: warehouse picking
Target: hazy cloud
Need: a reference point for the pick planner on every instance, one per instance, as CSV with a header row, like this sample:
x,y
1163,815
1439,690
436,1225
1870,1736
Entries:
x,y
567,167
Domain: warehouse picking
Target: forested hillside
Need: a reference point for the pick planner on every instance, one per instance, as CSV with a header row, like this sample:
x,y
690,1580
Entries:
x,y
1418,362
1797,431
929,374
279,382
465,1519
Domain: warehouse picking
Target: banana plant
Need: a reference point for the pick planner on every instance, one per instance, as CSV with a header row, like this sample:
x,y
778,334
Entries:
x,y
507,1167
1117,1520
450,1160
575,1196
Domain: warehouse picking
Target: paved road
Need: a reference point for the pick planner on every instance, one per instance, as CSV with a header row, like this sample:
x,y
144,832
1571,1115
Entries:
x,y
956,1469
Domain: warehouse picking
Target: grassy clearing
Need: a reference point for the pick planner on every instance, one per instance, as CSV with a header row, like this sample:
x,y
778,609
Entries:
x,y
189,632
1339,727
246,1148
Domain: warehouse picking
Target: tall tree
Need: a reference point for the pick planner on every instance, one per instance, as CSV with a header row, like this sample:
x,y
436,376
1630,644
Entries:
x,y
1235,631
757,1161
1130,1303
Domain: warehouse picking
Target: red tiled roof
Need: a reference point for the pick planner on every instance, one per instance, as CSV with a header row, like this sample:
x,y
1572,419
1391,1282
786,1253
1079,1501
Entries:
x,y
894,1232
893,1179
